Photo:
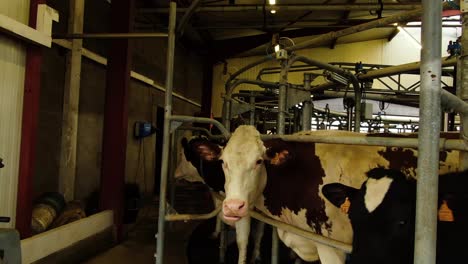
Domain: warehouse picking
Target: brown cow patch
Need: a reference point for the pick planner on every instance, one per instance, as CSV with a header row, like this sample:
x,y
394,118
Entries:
x,y
295,183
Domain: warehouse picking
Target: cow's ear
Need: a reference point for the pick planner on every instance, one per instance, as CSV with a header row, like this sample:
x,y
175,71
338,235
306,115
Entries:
x,y
278,157
337,193
207,151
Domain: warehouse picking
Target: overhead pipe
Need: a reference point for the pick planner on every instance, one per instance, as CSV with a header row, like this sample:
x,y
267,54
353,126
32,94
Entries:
x,y
188,14
379,97
326,38
429,133
310,7
393,70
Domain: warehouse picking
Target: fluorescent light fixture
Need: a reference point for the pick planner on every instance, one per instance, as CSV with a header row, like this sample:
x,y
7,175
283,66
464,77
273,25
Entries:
x,y
272,2
273,11
277,47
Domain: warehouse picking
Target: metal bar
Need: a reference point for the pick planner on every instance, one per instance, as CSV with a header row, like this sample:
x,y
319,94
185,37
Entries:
x,y
444,144
204,120
188,14
311,7
429,127
110,35
393,70
282,98
204,130
167,123
301,232
274,245
191,217
252,110
380,97
326,38
307,108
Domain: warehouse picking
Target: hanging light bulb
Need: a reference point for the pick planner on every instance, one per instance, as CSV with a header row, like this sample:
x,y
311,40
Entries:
x,y
272,2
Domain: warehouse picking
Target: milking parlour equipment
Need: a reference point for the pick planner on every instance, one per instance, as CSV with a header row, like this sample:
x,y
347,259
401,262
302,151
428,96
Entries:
x,y
10,247
428,143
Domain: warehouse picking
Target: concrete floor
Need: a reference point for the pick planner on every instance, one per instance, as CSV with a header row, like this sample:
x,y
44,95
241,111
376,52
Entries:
x,y
140,243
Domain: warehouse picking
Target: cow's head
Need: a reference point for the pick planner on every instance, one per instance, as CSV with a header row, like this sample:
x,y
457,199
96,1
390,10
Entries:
x,y
382,216
244,170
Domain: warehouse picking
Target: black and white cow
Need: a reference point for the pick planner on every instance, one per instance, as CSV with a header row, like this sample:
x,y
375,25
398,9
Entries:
x,y
284,180
382,214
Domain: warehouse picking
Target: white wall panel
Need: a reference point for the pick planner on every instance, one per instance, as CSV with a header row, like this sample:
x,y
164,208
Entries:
x,y
12,69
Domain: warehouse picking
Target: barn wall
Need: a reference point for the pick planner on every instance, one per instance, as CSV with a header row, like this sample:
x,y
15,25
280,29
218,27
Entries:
x,y
402,49
149,59
12,65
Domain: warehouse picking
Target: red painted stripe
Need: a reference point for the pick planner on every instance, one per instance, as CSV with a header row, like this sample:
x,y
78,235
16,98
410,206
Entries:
x,y
116,115
29,130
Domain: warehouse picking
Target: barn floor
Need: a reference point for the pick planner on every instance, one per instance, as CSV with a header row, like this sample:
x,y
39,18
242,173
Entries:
x,y
140,244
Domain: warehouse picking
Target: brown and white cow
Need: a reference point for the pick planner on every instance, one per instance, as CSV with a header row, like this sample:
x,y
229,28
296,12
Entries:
x,y
284,180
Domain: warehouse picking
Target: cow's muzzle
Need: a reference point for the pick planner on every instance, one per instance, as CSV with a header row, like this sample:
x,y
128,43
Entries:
x,y
234,209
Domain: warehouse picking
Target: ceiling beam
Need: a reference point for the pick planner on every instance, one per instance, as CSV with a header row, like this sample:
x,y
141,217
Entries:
x,y
280,8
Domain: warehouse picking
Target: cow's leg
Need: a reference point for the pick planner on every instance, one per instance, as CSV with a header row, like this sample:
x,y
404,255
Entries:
x,y
329,255
242,238
258,241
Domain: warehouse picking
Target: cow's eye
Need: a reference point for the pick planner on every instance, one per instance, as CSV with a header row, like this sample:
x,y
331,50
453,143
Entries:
x,y
222,161
402,223
259,161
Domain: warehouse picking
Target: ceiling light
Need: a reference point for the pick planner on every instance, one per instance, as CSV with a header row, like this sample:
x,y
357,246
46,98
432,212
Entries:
x,y
273,11
272,2
277,47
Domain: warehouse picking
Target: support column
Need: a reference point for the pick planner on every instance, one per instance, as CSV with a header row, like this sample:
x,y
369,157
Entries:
x,y
116,113
462,76
31,98
71,99
429,134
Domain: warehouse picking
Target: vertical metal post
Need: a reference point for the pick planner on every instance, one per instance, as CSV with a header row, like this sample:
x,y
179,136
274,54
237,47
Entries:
x,y
282,98
462,80
274,246
226,118
166,138
252,109
307,107
429,129
280,129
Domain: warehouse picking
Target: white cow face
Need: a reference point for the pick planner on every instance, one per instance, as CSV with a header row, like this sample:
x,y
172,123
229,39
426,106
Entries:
x,y
244,172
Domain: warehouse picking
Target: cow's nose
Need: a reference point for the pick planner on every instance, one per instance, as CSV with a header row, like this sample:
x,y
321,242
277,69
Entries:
x,y
236,206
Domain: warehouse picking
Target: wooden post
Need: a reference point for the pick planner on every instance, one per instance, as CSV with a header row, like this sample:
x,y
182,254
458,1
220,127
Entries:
x,y
71,99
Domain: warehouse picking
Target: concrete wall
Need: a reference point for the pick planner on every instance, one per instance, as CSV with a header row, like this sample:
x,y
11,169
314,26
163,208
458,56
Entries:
x,y
149,59
402,49
12,70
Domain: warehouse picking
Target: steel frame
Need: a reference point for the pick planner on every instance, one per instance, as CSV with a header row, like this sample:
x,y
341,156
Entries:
x,y
429,144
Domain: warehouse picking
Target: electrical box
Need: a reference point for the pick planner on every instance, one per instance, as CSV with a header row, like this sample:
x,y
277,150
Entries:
x,y
10,246
366,110
143,129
